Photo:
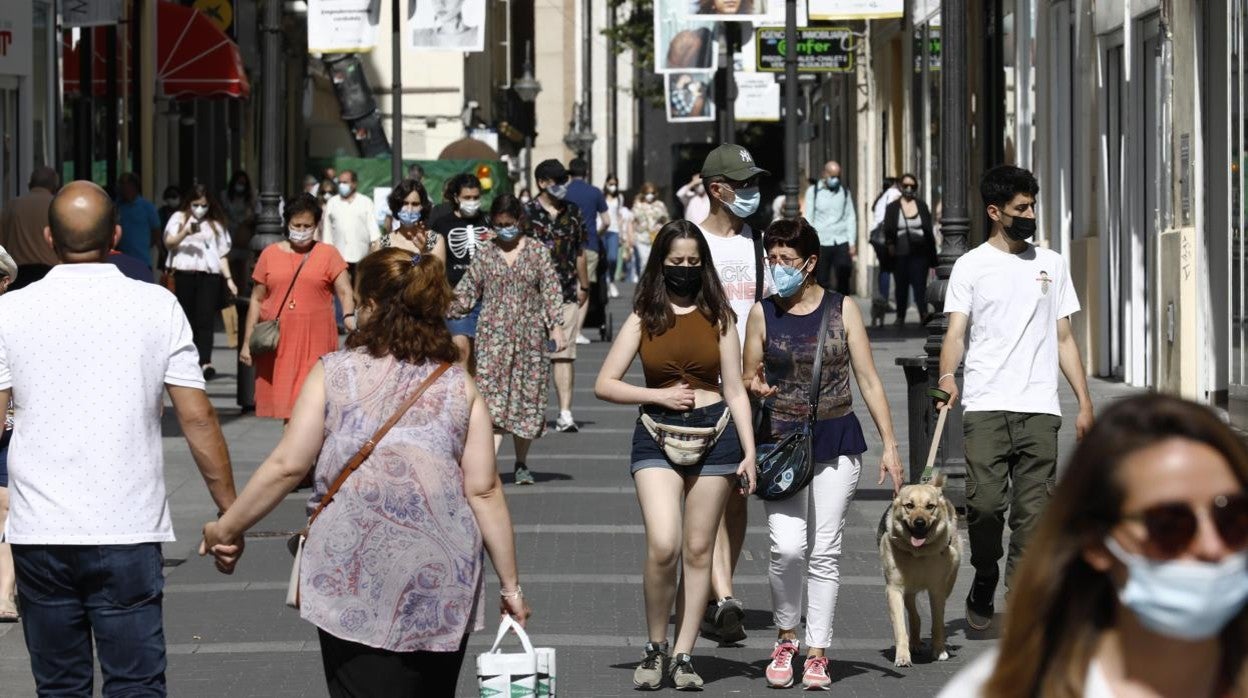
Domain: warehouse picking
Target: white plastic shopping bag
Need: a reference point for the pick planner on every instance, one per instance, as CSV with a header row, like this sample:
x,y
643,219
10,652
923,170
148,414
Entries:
x,y
514,675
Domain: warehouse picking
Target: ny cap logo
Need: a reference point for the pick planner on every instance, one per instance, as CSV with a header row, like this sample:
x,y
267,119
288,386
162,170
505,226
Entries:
x,y
745,155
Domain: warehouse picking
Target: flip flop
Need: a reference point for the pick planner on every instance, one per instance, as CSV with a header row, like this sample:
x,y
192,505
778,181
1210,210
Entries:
x,y
8,612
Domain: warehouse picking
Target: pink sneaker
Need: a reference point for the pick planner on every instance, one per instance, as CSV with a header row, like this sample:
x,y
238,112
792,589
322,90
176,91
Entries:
x,y
780,671
815,674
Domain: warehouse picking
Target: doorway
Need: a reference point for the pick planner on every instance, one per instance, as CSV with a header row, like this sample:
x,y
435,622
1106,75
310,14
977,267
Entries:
x,y
12,133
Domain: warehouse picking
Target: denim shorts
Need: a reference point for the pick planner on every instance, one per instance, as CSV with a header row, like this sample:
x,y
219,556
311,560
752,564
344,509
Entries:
x,y
723,459
466,325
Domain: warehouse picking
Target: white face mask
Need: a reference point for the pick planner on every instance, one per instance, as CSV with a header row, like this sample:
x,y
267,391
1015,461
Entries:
x,y
649,197
300,236
470,207
199,212
611,188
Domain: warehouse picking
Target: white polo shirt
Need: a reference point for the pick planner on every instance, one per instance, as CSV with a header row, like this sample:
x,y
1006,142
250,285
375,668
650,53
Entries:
x,y
350,226
87,354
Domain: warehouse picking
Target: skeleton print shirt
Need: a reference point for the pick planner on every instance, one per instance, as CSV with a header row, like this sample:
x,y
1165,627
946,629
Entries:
x,y
463,237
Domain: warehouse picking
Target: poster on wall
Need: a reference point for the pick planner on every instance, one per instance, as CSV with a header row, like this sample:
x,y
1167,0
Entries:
x,y
729,10
342,26
446,25
689,97
855,9
80,13
758,97
680,43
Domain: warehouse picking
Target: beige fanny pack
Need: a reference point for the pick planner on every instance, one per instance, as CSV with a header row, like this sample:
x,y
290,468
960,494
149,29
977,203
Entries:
x,y
685,445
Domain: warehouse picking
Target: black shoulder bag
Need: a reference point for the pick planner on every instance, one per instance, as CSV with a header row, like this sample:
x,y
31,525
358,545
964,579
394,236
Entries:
x,y
788,467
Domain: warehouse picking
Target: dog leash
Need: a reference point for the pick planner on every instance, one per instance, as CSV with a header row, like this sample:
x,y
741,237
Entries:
x,y
942,413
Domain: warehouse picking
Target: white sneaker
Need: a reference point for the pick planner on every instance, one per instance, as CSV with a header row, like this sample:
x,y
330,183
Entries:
x,y
582,339
613,291
565,423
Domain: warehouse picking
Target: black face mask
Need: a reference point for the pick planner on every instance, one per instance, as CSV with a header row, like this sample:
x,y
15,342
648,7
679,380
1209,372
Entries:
x,y
682,281
1021,228
908,192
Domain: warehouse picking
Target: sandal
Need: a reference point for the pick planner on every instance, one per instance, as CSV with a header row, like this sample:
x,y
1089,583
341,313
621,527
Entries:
x,y
8,611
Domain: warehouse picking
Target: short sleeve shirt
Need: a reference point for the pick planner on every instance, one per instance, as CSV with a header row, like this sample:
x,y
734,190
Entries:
x,y
86,465
350,226
1013,303
736,261
463,236
138,219
591,201
564,235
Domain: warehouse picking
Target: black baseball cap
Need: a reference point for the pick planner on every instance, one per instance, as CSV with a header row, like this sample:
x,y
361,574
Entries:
x,y
732,162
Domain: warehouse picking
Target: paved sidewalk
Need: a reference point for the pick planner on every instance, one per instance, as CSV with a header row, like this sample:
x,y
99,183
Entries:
x,y
580,546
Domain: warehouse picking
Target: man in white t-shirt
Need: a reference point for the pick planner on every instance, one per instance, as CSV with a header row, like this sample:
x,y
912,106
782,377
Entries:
x,y
731,180
350,224
1016,299
88,510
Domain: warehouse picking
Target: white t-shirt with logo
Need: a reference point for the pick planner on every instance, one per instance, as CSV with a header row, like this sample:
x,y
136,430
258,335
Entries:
x,y
737,267
970,681
1013,303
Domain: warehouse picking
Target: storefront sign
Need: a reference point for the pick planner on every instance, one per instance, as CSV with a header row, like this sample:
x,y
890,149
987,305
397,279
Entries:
x,y
342,26
855,9
819,49
758,97
89,13
16,37
933,49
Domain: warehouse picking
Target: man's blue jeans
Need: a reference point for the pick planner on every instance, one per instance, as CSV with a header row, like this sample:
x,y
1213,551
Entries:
x,y
72,593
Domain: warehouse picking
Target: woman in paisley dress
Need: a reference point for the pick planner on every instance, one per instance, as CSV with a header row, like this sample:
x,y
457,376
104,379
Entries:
x,y
522,306
392,573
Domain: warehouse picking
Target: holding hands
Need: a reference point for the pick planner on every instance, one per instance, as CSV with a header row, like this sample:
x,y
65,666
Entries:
x,y
225,551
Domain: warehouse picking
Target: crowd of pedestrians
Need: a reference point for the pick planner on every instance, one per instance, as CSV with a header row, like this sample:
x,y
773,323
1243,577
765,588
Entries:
x,y
459,316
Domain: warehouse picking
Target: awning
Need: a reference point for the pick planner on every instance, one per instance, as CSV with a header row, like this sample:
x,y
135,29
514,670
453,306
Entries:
x,y
194,58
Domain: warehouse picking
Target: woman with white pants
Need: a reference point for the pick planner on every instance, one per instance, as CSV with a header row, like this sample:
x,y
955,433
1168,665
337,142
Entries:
x,y
806,529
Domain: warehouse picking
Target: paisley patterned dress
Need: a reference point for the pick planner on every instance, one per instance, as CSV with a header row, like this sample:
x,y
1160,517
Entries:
x,y
521,303
396,561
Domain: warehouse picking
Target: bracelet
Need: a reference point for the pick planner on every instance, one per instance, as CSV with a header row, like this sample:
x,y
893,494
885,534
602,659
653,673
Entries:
x,y
947,375
511,594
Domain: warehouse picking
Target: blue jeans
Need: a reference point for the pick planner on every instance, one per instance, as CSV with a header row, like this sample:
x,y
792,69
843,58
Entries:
x,y
610,252
72,593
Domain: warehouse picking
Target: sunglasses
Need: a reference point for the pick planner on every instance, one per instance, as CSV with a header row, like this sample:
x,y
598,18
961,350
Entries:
x,y
1172,526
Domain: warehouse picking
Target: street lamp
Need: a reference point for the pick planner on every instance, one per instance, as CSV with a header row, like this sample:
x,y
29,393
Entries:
x,y
527,88
579,138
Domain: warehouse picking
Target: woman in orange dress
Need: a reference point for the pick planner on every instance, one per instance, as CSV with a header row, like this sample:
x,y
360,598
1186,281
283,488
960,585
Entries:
x,y
307,314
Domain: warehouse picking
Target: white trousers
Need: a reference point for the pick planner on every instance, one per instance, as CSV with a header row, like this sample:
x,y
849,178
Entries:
x,y
806,541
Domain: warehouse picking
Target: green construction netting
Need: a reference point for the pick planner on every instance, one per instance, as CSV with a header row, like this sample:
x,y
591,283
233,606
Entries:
x,y
375,172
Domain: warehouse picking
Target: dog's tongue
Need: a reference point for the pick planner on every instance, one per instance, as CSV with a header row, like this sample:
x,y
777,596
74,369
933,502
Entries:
x,y
917,542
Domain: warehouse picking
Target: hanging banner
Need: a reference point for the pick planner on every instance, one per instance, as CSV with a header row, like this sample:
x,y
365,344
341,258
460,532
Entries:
x,y
681,44
342,26
728,10
689,97
87,13
17,36
855,9
758,97
819,49
437,25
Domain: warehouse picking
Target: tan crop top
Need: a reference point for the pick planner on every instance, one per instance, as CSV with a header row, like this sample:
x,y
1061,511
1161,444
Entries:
x,y
688,352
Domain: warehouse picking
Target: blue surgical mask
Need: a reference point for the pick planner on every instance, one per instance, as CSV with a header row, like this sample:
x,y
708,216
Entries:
x,y
788,279
833,183
344,189
407,217
746,202
508,234
1183,599
557,190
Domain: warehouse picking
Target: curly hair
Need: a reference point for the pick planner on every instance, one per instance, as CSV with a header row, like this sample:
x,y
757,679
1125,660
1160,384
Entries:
x,y
302,202
406,298
402,191
458,183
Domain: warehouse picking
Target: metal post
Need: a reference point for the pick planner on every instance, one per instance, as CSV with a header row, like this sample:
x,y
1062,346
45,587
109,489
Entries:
x,y
613,116
269,221
587,77
728,96
84,113
790,109
396,98
111,138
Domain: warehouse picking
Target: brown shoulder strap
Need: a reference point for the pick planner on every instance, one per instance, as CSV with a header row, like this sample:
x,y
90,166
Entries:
x,y
367,449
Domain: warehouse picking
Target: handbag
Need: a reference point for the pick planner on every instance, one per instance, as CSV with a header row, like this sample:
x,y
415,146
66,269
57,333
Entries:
x,y
528,673
265,335
685,445
786,468
295,543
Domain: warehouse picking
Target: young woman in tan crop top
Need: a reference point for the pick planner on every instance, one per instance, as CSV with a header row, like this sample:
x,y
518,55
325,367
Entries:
x,y
685,332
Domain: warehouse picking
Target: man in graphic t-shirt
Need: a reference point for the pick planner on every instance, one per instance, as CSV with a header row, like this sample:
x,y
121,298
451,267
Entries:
x,y
464,229
1017,300
731,181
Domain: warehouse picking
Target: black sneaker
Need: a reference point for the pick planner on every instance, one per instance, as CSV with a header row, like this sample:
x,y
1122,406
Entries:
x,y
729,616
683,674
648,676
979,608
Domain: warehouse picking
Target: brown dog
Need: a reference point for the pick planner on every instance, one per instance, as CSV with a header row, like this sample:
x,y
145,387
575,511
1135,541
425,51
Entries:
x,y
919,551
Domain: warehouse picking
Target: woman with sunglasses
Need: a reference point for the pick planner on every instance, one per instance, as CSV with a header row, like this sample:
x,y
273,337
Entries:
x,y
781,341
684,330
1136,579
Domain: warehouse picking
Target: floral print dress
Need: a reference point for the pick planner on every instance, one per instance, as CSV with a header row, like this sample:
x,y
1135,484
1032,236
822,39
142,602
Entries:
x,y
521,303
